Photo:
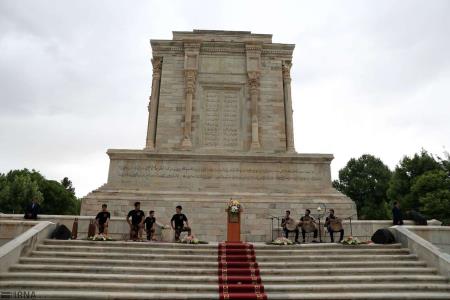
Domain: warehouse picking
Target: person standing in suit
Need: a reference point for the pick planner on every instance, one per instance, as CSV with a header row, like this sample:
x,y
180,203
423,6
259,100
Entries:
x,y
32,209
397,215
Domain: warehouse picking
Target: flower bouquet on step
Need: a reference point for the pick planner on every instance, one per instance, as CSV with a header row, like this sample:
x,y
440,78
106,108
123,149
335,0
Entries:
x,y
100,237
190,239
282,241
351,241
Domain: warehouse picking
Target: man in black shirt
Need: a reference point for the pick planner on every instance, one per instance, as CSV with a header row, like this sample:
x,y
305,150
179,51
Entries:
x,y
308,222
177,223
149,222
330,229
397,215
287,222
102,220
32,209
137,222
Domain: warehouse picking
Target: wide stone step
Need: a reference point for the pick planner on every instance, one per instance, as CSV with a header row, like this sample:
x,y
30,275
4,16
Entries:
x,y
49,276
110,286
139,256
71,294
212,271
261,258
193,251
362,296
317,258
148,250
213,264
340,264
118,262
213,288
362,287
213,245
391,295
347,279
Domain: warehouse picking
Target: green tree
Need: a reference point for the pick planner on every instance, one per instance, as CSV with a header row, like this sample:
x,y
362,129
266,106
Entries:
x,y
365,180
433,191
406,174
18,187
67,184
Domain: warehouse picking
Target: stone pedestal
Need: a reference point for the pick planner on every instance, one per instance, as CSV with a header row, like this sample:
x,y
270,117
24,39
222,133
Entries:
x,y
233,227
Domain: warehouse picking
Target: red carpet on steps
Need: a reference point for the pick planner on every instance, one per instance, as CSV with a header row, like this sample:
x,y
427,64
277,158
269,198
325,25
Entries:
x,y
239,273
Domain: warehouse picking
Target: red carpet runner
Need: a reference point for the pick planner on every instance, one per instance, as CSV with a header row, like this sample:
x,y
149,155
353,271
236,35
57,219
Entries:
x,y
239,273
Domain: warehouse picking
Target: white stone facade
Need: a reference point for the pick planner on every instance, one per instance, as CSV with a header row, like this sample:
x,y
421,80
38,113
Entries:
x,y
220,126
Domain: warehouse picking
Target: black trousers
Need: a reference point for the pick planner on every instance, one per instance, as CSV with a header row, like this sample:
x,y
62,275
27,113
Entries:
x,y
179,230
286,233
316,232
341,237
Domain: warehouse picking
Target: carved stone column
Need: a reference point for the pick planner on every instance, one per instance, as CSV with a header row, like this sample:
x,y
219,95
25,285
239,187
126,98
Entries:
x,y
192,50
190,78
253,82
253,55
153,105
288,106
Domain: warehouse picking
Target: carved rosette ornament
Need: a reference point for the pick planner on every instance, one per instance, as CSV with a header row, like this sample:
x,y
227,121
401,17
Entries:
x,y
190,79
153,103
253,81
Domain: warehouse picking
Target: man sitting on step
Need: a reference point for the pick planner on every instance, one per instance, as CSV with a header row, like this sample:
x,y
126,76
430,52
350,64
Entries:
x,y
289,225
102,220
335,227
177,222
137,222
308,224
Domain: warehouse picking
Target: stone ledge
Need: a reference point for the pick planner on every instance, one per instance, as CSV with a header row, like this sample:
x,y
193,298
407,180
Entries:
x,y
244,157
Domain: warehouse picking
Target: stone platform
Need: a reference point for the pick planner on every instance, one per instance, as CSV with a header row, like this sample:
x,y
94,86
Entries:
x,y
266,185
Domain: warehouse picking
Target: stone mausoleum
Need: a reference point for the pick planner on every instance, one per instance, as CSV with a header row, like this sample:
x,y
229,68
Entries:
x,y
220,126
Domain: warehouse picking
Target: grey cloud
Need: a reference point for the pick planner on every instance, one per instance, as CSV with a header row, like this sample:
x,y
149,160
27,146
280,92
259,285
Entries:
x,y
368,76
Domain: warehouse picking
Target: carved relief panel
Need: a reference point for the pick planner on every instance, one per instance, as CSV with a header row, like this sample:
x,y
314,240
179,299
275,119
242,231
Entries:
x,y
221,117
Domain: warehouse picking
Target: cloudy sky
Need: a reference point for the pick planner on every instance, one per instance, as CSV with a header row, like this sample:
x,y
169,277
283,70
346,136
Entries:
x,y
368,76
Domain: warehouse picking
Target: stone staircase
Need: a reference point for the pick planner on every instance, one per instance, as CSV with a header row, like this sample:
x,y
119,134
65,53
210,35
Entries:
x,y
125,270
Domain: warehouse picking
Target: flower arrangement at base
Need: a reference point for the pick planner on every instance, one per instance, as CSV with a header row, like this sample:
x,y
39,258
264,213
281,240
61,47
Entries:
x,y
234,206
351,241
282,241
100,237
190,239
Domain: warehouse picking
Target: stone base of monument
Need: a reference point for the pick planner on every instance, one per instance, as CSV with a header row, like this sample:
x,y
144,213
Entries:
x,y
266,185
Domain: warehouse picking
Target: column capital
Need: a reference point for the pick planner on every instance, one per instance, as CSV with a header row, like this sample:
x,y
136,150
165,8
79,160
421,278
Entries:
x,y
286,68
157,66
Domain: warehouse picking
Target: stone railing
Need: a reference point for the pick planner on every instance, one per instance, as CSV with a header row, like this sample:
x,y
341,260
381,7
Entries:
x,y
24,243
437,235
425,250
